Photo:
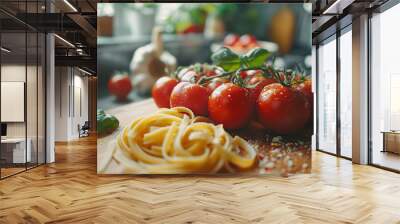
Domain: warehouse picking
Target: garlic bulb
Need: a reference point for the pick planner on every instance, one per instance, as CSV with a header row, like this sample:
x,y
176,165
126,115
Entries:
x,y
151,62
143,83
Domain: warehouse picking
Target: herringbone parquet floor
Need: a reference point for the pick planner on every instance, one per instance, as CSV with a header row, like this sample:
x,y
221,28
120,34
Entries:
x,y
70,191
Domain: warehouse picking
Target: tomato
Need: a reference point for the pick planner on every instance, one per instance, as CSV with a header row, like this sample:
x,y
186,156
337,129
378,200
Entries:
x,y
243,74
192,96
231,39
190,76
247,40
214,83
209,70
262,81
162,89
210,73
281,109
182,72
254,72
306,88
230,106
248,73
253,45
193,29
120,86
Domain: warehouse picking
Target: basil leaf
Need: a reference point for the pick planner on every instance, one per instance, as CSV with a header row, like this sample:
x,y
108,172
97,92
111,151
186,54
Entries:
x,y
255,58
226,59
106,123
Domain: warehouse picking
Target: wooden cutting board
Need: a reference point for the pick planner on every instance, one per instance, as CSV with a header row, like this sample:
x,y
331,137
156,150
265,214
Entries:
x,y
300,159
125,114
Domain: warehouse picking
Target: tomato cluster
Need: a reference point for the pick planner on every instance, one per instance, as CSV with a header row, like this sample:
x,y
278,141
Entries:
x,y
241,43
280,107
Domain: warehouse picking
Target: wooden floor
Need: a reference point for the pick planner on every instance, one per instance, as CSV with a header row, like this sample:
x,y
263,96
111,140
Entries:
x,y
387,159
70,191
10,171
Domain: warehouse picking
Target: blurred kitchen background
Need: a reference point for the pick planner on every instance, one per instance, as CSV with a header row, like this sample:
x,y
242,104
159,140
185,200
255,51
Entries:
x,y
190,32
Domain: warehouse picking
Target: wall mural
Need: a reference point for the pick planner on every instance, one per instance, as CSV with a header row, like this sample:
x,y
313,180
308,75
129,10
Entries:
x,y
210,88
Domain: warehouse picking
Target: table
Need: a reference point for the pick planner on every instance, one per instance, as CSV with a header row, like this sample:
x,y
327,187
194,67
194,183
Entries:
x,y
17,150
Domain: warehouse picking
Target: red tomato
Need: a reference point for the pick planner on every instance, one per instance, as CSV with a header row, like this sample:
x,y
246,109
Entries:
x,y
253,45
230,105
182,72
247,40
120,86
254,72
238,47
243,74
255,91
193,29
162,89
214,83
192,96
247,73
282,109
212,72
231,39
306,88
190,76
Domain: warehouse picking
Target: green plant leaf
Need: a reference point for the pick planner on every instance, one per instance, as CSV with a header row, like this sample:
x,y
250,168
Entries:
x,y
106,123
255,58
226,59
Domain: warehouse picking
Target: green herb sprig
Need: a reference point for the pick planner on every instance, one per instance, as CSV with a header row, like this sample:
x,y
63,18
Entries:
x,y
233,64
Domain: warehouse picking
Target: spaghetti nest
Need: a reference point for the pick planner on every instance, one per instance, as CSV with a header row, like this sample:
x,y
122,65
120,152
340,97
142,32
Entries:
x,y
174,141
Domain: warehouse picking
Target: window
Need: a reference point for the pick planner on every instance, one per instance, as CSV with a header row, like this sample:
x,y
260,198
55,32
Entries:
x,y
327,96
346,94
385,89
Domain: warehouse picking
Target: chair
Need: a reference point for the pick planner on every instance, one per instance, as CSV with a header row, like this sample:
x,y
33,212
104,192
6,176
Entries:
x,y
84,130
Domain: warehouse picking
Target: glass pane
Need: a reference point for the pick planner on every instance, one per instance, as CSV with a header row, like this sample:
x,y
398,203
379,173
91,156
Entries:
x,y
327,97
346,94
385,114
31,98
13,86
313,75
41,99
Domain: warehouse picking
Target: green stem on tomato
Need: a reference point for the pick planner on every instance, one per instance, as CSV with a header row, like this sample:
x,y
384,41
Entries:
x,y
204,79
234,76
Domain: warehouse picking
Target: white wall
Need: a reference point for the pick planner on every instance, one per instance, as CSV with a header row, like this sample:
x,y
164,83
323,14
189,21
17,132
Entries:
x,y
61,104
33,127
16,73
11,73
70,84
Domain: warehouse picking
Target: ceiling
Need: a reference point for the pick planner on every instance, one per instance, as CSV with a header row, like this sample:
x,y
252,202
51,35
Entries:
x,y
330,15
72,20
76,22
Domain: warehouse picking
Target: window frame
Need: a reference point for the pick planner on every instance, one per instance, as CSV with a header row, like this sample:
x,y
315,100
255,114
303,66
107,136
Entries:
x,y
333,37
381,9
